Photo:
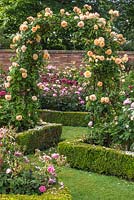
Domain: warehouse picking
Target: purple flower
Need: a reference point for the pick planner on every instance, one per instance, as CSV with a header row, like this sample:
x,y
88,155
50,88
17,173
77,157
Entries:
x,y
17,154
51,181
82,102
42,188
127,101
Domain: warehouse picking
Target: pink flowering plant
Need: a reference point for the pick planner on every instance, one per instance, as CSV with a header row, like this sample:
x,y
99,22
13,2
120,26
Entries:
x,y
63,89
20,175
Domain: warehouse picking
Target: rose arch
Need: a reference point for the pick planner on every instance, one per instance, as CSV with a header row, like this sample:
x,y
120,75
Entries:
x,y
81,27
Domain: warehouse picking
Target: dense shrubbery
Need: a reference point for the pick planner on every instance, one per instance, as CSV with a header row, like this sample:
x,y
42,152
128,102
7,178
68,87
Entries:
x,y
64,89
98,159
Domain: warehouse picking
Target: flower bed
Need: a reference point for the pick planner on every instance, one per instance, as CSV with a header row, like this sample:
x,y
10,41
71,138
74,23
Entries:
x,y
62,194
65,118
98,159
41,137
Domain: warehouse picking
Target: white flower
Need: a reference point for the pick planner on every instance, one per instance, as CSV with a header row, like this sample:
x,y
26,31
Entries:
x,y
8,171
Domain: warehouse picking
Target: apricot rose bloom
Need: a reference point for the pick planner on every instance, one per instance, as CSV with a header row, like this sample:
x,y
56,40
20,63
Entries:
x,y
35,56
23,27
19,117
108,52
64,24
92,97
8,97
46,55
87,74
80,24
105,100
118,61
89,53
99,84
24,75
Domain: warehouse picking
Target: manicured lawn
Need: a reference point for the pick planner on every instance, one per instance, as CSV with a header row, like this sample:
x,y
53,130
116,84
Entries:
x,y
69,132
91,186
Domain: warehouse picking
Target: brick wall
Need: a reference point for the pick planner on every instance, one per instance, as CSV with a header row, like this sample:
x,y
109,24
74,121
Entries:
x,y
58,58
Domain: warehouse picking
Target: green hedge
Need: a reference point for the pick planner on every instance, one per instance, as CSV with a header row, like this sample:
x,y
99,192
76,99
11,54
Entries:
x,y
42,137
98,159
65,118
62,194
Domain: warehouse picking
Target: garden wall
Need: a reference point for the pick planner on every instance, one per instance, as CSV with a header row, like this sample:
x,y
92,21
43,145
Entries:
x,y
58,57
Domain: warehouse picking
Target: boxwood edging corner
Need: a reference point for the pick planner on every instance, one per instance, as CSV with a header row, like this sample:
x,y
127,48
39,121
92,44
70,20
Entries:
x,y
62,194
65,118
41,137
98,159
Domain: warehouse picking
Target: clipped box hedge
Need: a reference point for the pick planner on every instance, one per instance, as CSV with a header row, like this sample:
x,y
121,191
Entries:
x,y
98,159
65,118
41,137
62,194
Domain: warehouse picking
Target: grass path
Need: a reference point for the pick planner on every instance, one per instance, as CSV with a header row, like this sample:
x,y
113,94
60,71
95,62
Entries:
x,y
91,186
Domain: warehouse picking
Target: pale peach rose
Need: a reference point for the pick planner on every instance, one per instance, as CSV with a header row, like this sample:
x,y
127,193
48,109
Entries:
x,y
22,70
17,38
77,10
47,9
102,58
82,17
95,27
87,74
108,52
19,117
9,78
90,53
118,61
30,19
46,55
96,42
125,58
24,75
38,38
48,14
12,46
38,26
34,29
15,64
110,12
35,56
102,44
107,100
92,97
34,98
8,97
101,21
64,24
23,48
23,27
62,11
67,14
7,85
80,24
116,13
88,7
76,17
102,100
99,84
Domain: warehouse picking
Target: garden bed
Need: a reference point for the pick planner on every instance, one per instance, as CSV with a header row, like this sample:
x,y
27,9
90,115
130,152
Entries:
x,y
42,137
65,118
98,159
62,194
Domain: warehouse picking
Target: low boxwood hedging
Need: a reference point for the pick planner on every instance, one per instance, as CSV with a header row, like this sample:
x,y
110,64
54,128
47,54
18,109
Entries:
x,y
65,118
62,194
98,159
41,137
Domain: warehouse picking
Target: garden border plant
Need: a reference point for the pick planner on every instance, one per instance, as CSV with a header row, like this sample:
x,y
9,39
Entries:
x,y
98,159
65,118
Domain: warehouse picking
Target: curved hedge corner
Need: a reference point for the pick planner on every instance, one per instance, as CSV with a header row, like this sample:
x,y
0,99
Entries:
x,y
42,137
65,118
62,194
98,159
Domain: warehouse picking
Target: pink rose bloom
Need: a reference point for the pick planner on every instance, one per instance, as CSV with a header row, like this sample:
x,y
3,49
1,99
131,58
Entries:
x,y
42,188
51,169
54,95
127,101
55,155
